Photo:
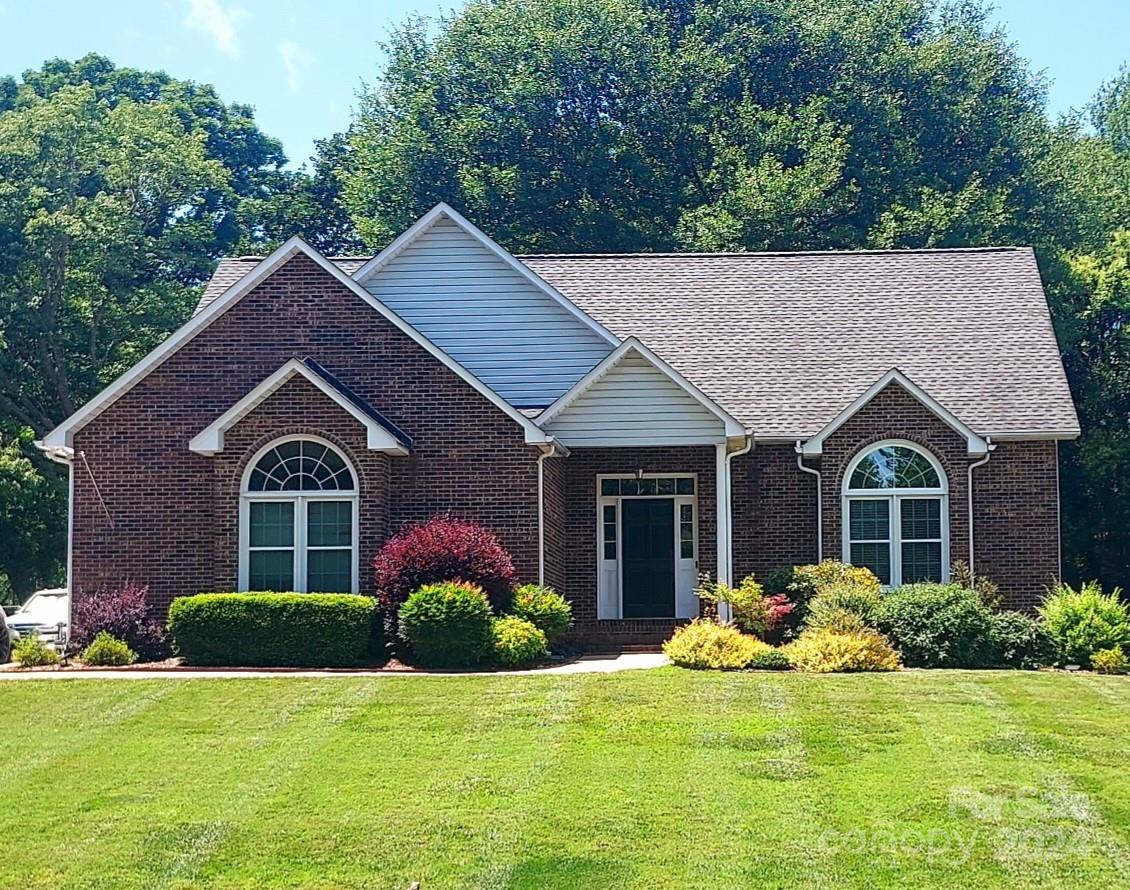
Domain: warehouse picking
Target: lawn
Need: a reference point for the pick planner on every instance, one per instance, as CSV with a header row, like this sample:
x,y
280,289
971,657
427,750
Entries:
x,y
650,779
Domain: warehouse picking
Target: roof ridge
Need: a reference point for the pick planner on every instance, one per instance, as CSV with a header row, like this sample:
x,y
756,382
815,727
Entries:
x,y
691,254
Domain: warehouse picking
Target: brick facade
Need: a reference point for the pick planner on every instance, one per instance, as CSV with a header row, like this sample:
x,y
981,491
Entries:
x,y
170,514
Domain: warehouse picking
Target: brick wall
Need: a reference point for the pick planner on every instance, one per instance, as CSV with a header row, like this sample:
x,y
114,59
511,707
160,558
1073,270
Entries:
x,y
171,511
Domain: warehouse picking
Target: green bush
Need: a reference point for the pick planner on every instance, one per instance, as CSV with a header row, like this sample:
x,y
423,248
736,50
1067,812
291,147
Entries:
x,y
843,605
962,574
708,645
30,652
801,584
447,624
1020,642
1110,661
106,650
517,642
825,651
937,626
1081,622
543,607
770,658
272,629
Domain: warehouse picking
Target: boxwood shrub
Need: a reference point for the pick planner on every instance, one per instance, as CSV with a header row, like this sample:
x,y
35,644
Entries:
x,y
272,629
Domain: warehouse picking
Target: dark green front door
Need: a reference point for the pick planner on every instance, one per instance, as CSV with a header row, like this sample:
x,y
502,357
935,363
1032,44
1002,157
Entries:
x,y
648,552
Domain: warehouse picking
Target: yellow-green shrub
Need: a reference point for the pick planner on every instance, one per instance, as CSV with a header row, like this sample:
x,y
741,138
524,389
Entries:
x,y
1110,661
706,644
824,651
843,606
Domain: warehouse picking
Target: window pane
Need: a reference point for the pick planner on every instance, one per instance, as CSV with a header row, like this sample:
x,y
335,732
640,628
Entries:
x,y
876,557
329,524
609,487
329,571
921,561
870,519
610,519
648,486
686,531
684,486
921,518
629,486
270,570
609,549
272,524
894,467
666,485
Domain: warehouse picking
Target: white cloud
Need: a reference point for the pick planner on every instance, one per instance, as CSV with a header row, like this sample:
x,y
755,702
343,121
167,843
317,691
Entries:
x,y
209,17
295,60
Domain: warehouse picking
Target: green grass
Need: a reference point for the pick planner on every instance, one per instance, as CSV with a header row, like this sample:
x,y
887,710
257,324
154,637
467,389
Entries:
x,y
652,779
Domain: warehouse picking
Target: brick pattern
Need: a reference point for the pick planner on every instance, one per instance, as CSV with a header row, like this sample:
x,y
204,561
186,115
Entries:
x,y
170,521
556,542
774,508
1016,520
581,469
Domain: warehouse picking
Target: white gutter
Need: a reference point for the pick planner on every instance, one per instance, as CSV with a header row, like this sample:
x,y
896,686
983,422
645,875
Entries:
x,y
799,448
723,510
745,449
969,491
553,449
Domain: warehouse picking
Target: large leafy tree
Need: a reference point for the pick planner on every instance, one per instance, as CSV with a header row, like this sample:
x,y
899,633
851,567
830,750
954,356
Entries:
x,y
671,124
118,189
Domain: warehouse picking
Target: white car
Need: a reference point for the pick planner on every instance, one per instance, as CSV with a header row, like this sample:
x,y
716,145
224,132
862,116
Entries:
x,y
47,613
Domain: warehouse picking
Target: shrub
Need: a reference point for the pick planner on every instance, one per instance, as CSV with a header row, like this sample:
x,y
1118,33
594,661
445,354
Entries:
x,y
1020,642
543,607
122,612
1081,622
753,612
447,624
272,629
517,642
706,644
30,651
962,574
824,651
769,658
842,605
108,651
1110,661
443,549
937,625
801,583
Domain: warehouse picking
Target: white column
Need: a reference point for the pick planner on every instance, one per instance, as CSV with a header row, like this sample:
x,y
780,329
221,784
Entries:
x,y
722,520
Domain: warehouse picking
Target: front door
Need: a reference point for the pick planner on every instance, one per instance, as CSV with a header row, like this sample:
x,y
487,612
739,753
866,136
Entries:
x,y
648,549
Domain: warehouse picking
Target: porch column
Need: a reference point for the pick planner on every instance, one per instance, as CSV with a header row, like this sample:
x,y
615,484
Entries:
x,y
722,514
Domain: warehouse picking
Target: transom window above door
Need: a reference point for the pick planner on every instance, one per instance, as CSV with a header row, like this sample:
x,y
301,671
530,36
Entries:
x,y
896,517
298,519
646,486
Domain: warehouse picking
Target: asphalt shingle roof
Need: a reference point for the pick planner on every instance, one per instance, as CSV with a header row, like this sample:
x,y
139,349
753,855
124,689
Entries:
x,y
784,341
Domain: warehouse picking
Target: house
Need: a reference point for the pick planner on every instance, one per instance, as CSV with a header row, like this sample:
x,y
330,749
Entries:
x,y
622,422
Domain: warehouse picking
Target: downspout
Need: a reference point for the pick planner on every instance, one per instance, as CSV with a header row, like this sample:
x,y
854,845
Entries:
x,y
969,491
553,450
745,449
66,457
798,448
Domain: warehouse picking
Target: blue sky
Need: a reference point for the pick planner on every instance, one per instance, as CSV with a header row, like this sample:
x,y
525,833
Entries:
x,y
301,63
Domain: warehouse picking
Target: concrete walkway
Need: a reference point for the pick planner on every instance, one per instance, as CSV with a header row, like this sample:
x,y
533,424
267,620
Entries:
x,y
628,661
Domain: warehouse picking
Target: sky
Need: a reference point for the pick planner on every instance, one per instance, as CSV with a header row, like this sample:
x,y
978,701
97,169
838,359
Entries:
x,y
301,64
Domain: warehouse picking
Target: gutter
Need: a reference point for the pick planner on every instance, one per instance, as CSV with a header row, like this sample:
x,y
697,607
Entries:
x,y
969,491
552,449
799,449
745,449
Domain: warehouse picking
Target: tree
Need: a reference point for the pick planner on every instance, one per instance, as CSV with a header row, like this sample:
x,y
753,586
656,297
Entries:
x,y
32,541
620,125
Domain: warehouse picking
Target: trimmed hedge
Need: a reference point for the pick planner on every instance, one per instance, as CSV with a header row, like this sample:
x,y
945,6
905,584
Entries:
x,y
937,626
447,625
272,629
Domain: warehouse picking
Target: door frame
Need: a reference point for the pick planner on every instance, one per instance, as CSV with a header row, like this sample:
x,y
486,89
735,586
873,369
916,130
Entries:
x,y
610,572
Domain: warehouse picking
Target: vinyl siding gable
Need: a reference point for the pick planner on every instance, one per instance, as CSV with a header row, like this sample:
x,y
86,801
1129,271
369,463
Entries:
x,y
503,328
635,403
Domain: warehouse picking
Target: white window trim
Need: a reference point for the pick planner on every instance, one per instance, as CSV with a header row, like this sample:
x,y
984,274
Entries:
x,y
615,500
301,501
895,496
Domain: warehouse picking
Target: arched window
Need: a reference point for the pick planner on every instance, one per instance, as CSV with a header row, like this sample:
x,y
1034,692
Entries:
x,y
298,519
896,517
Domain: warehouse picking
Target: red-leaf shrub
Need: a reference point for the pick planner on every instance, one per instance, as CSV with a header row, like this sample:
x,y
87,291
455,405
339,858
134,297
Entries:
x,y
443,549
123,612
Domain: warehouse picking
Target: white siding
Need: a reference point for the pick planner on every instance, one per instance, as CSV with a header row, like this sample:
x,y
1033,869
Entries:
x,y
506,331
635,403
